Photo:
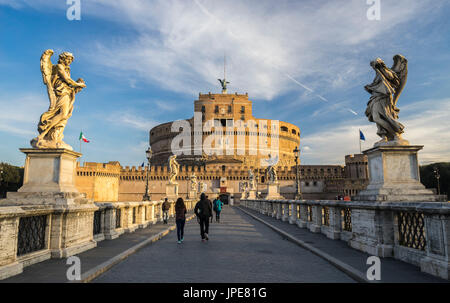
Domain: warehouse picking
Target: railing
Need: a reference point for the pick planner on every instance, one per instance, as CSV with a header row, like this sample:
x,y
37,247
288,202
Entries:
x,y
411,230
31,235
417,233
97,222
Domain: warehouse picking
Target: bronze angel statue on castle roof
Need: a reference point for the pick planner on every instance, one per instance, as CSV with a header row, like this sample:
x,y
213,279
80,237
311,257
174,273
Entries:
x,y
382,106
61,91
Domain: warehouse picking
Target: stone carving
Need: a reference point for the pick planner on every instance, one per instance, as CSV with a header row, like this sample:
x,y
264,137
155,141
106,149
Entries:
x,y
174,168
61,91
252,180
271,173
194,182
382,106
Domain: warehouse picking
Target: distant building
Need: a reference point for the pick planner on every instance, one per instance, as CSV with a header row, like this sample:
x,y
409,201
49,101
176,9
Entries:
x,y
244,145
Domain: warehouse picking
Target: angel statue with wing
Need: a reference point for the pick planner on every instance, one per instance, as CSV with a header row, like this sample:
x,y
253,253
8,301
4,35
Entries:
x,y
382,106
174,168
271,173
61,91
224,84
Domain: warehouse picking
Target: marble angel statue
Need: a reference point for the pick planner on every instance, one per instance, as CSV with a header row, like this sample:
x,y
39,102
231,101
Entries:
x,y
174,168
382,106
61,91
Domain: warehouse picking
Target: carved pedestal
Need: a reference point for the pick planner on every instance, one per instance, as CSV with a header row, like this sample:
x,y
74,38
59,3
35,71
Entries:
x,y
192,194
49,187
394,176
172,191
273,191
251,194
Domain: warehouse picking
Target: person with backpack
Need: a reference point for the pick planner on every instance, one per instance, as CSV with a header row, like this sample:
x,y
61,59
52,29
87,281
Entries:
x,y
203,212
218,208
165,209
180,218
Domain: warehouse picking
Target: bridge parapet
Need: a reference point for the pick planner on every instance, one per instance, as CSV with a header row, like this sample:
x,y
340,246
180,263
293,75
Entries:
x,y
28,235
414,232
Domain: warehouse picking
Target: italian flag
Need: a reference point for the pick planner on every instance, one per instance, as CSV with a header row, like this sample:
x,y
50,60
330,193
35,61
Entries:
x,y
82,137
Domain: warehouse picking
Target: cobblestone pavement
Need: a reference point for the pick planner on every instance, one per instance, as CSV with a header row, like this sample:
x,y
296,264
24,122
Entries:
x,y
240,249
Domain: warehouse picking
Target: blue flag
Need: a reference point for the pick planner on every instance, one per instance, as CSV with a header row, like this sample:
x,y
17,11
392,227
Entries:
x,y
361,136
142,164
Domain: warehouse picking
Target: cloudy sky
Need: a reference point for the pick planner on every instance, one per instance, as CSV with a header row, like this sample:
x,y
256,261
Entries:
x,y
303,62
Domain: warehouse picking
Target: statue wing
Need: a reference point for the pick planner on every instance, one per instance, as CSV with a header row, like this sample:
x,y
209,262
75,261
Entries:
x,y
402,75
47,69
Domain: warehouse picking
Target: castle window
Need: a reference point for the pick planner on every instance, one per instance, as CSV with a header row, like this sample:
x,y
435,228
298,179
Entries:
x,y
294,132
216,109
284,129
242,109
242,118
203,109
229,109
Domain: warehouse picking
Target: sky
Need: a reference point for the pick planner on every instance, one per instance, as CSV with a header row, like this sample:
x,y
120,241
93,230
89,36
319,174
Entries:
x,y
302,62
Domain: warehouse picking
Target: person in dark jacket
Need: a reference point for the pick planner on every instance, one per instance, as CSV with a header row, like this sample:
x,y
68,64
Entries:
x,y
203,211
165,209
180,218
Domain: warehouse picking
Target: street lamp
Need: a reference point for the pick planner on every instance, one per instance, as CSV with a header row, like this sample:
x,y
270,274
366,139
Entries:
x,y
437,176
148,153
298,193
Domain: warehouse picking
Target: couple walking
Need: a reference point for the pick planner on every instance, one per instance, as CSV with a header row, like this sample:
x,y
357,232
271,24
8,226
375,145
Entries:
x,y
203,210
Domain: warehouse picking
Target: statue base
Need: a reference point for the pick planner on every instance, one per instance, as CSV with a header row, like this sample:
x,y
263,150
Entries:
x,y
273,191
251,194
172,191
49,179
394,176
192,194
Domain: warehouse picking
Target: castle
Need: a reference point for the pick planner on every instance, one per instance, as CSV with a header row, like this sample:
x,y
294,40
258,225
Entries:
x,y
220,144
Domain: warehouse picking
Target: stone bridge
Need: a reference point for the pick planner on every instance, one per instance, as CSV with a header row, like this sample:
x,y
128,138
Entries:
x,y
256,241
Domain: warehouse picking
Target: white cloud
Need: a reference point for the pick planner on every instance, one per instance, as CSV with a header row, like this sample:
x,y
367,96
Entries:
x,y
424,125
20,114
129,119
272,47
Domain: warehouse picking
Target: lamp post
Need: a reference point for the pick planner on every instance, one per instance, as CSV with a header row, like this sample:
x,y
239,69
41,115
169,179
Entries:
x,y
437,176
148,153
298,193
1,181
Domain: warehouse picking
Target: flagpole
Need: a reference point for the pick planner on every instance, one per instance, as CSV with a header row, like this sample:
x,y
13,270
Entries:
x,y
359,135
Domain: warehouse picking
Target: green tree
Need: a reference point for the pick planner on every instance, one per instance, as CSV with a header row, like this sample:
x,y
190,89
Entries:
x,y
11,178
428,177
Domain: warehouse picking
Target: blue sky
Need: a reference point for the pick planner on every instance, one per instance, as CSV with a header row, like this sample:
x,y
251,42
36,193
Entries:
x,y
303,62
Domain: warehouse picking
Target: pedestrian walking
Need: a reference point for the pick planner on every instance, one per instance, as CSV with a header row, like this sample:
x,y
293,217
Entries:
x,y
180,219
203,212
165,209
218,204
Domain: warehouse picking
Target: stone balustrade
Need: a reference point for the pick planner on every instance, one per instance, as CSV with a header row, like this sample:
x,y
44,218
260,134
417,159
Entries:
x,y
30,234
416,233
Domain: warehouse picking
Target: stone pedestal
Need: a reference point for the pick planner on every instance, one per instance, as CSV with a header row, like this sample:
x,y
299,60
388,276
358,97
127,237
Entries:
x,y
273,192
251,194
49,179
394,176
192,194
172,191
49,188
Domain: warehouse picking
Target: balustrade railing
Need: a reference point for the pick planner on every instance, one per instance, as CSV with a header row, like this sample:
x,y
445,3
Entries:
x,y
31,235
414,232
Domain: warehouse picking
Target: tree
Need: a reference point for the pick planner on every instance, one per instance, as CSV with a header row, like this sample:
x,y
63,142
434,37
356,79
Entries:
x,y
11,178
428,177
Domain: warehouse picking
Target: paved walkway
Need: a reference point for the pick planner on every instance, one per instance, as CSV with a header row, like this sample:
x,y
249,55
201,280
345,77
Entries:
x,y
240,249
392,270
